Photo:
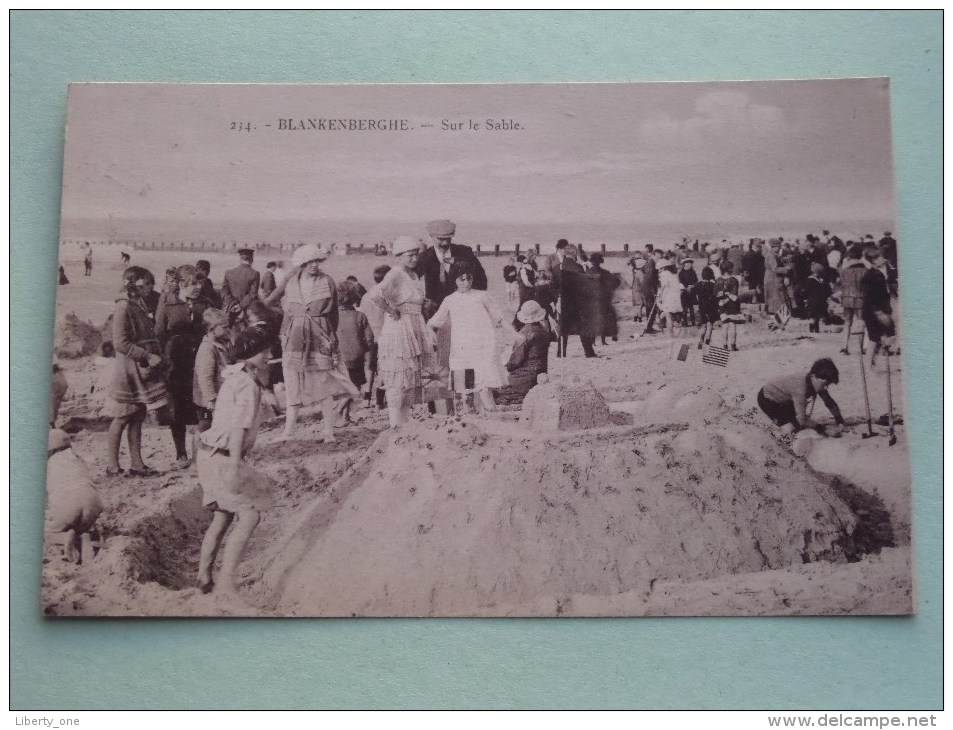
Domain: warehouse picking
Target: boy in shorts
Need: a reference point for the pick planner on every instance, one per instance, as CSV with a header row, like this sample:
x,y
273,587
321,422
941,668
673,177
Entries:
x,y
235,491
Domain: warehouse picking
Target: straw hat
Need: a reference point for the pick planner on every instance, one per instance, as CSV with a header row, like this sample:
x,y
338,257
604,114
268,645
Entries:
x,y
531,312
402,244
308,252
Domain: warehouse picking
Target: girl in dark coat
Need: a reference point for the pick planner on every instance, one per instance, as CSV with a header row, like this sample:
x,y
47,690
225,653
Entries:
x,y
729,304
180,329
688,279
530,356
137,384
816,290
707,297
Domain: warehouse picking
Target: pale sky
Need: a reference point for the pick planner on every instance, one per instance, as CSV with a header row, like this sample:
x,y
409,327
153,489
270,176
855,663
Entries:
x,y
616,153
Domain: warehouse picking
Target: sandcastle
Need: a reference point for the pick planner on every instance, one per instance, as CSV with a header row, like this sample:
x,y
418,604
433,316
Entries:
x,y
564,406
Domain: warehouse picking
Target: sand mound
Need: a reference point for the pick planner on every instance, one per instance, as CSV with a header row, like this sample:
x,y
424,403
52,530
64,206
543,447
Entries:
x,y
482,518
75,337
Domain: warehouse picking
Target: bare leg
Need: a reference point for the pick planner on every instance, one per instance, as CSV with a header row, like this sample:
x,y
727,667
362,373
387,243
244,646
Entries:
x,y
291,420
487,402
398,414
134,439
235,545
210,545
116,428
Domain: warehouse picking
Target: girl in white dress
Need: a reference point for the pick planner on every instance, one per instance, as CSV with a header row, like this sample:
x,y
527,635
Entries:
x,y
473,319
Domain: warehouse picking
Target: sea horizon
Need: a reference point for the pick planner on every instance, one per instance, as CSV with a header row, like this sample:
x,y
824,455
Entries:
x,y
486,234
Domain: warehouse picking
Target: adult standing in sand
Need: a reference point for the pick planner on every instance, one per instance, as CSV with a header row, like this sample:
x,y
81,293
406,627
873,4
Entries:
x,y
407,346
138,385
240,285
235,491
851,296
87,259
774,293
310,355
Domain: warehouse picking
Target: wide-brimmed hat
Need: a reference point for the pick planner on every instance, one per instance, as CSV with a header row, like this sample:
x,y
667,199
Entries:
x,y
402,244
308,252
442,228
689,260
531,312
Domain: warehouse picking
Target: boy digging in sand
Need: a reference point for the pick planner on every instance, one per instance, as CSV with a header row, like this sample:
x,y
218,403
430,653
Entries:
x,y
236,492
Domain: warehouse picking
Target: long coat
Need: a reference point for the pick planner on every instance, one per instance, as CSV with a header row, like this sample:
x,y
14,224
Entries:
x,y
581,309
240,286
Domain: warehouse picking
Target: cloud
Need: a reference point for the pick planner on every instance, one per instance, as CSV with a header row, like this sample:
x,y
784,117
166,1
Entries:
x,y
725,122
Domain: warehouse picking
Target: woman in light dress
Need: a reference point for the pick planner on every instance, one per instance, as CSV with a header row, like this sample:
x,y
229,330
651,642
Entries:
x,y
473,320
407,351
310,357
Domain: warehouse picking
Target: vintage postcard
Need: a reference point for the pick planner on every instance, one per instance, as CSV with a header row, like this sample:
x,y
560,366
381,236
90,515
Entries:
x,y
478,350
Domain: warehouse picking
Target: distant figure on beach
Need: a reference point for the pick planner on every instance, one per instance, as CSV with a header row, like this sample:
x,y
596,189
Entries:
x,y
240,285
87,259
124,257
62,276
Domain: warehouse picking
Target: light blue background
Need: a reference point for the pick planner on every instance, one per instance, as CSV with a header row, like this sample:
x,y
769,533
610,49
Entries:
x,y
873,663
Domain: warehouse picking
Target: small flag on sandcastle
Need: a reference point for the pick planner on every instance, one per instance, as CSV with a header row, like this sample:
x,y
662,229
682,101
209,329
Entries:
x,y
715,355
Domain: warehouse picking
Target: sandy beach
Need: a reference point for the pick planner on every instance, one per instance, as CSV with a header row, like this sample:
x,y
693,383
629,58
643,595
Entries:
x,y
688,502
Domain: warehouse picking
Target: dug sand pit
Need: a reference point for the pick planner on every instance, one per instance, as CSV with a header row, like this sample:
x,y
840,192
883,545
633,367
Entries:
x,y
562,406
462,517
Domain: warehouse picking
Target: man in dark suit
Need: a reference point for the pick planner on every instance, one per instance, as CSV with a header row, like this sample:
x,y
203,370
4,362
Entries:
x,y
240,287
434,264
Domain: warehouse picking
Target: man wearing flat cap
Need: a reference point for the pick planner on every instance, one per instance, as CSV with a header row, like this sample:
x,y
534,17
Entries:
x,y
240,287
434,264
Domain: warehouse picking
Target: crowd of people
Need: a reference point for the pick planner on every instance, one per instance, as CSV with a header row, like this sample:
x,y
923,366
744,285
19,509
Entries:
x,y
205,359
785,278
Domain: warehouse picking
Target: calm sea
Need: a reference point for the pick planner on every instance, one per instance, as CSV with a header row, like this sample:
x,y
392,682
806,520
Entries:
x,y
487,234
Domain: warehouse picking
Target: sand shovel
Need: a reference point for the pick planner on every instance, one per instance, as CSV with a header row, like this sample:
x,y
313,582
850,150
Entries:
x,y
863,379
893,435
652,311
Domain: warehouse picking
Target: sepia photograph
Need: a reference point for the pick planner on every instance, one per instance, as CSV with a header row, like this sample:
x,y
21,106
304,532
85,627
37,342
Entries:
x,y
482,350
